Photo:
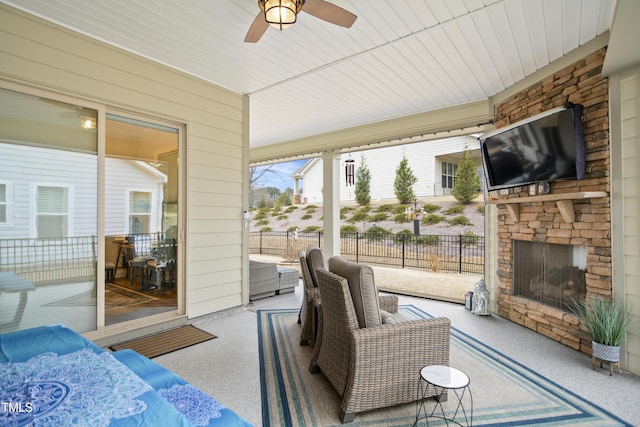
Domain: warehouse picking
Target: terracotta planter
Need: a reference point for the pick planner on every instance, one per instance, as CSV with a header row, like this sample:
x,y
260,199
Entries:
x,y
608,353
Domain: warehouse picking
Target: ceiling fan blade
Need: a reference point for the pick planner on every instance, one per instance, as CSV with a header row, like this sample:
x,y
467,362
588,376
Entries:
x,y
329,12
257,29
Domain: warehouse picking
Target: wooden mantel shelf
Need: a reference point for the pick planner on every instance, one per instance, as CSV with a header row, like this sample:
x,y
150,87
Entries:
x,y
564,201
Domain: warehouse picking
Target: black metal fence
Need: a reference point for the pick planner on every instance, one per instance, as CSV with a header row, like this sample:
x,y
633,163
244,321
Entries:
x,y
447,253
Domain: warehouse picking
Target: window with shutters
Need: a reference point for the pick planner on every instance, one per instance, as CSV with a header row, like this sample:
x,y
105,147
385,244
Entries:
x,y
139,212
52,212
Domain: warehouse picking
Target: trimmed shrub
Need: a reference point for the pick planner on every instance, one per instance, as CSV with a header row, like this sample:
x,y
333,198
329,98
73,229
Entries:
x,y
469,238
386,208
266,229
348,229
403,234
359,215
400,209
432,219
460,220
307,216
455,209
377,217
401,218
377,233
261,214
262,222
430,208
312,229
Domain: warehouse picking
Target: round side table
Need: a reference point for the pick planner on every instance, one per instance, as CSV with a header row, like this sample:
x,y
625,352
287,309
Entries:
x,y
443,378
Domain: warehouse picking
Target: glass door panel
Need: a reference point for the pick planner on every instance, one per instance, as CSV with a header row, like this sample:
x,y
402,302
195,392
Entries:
x,y
141,199
48,213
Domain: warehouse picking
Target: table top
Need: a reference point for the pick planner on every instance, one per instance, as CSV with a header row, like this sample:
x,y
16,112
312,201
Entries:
x,y
10,282
444,376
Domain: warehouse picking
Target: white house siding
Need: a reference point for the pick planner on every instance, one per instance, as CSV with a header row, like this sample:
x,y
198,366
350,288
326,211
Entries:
x,y
25,177
45,56
425,160
121,177
312,185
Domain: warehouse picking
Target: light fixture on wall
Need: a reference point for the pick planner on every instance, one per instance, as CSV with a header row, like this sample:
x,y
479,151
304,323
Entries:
x,y
281,14
87,122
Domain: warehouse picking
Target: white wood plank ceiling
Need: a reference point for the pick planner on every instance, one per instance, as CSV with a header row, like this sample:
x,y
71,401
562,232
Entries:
x,y
401,57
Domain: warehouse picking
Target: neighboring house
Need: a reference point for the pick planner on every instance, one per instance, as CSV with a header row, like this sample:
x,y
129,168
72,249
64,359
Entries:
x,y
433,162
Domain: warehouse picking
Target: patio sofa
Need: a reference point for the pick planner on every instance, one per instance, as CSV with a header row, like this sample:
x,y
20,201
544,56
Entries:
x,y
267,279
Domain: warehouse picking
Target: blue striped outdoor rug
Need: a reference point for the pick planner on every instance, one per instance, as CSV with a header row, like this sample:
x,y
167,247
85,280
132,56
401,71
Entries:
x,y
505,393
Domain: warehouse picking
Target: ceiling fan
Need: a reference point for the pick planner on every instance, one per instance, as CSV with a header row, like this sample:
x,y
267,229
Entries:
x,y
282,13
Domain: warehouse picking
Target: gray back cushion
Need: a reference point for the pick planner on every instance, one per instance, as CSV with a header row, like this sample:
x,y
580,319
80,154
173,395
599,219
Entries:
x,y
362,287
315,259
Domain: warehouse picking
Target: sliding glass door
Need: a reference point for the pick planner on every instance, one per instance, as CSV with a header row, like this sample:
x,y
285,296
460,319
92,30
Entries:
x,y
141,219
48,213
88,223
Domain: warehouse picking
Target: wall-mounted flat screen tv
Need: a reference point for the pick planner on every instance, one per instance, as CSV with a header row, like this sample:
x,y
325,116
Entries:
x,y
545,147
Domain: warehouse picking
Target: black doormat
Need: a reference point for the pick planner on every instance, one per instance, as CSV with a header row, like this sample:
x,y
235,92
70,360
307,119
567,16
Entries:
x,y
165,342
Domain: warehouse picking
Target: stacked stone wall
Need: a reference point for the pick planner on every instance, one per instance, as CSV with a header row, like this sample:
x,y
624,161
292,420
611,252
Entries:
x,y
541,220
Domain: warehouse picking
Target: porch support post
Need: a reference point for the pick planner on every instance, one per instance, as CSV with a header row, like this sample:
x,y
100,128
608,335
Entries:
x,y
331,202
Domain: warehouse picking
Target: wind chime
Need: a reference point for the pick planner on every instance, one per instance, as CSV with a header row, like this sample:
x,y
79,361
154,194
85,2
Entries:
x,y
349,170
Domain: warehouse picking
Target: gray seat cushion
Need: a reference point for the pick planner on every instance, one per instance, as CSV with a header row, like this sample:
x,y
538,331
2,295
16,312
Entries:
x,y
362,287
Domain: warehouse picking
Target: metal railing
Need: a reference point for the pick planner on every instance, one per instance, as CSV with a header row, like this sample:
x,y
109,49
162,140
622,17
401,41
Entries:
x,y
69,259
447,253
50,260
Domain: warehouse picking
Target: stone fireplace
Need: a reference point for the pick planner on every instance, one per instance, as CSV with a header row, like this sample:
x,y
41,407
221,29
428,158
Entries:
x,y
569,228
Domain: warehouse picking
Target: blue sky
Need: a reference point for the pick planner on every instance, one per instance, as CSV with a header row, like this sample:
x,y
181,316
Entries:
x,y
281,177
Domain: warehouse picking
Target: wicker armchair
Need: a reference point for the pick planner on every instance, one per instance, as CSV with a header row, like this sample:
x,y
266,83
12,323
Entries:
x,y
378,366
263,279
309,261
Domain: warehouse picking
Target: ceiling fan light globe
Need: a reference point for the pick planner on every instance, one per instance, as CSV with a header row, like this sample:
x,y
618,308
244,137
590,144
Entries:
x,y
281,14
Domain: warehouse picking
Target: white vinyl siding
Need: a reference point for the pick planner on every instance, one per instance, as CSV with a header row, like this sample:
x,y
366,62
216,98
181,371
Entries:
x,y
630,135
45,56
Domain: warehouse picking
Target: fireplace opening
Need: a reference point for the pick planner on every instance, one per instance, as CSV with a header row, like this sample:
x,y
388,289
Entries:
x,y
551,274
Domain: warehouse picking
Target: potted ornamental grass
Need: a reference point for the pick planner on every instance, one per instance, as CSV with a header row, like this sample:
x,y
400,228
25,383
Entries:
x,y
607,322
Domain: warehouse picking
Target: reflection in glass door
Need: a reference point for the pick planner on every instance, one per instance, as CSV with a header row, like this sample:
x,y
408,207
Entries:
x,y
141,219
48,213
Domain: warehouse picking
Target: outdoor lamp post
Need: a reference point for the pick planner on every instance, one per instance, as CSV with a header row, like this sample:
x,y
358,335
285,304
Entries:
x,y
416,217
480,299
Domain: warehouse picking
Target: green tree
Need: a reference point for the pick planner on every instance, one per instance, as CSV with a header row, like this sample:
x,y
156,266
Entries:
x,y
467,184
285,199
363,183
403,184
